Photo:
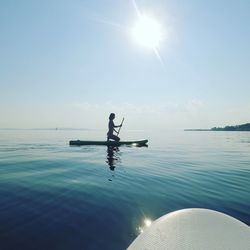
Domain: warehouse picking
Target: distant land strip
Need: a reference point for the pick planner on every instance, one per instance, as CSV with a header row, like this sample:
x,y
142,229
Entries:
x,y
242,127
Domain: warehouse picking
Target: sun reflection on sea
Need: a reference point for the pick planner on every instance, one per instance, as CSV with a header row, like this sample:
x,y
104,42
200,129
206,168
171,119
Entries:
x,y
145,224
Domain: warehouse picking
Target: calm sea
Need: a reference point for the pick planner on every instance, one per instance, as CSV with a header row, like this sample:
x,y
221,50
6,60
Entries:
x,y
53,196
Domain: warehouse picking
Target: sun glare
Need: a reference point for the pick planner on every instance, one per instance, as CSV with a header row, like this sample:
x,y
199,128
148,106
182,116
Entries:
x,y
146,223
147,32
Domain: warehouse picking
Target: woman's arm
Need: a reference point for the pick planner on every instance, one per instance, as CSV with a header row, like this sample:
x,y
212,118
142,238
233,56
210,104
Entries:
x,y
116,126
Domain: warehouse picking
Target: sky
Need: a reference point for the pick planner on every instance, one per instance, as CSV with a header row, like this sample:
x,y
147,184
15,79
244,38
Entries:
x,y
70,63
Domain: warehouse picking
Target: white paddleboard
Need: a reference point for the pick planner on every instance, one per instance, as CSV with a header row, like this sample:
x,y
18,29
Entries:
x,y
194,229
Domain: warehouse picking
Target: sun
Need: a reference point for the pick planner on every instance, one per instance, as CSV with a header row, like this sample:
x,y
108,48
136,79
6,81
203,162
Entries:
x,y
147,32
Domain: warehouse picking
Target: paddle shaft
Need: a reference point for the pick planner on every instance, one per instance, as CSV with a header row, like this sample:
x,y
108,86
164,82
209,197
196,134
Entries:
x,y
120,127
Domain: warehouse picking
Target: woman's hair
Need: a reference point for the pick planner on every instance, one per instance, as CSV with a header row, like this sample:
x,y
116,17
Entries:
x,y
111,116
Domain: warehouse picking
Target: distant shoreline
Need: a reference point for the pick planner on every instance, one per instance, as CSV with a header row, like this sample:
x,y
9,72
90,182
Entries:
x,y
243,128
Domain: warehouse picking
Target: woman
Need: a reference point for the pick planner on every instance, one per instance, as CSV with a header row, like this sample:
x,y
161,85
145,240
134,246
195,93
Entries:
x,y
112,127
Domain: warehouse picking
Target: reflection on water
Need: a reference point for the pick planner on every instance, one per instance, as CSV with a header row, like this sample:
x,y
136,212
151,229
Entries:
x,y
145,224
113,157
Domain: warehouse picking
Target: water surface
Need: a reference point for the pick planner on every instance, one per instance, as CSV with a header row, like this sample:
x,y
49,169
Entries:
x,y
54,196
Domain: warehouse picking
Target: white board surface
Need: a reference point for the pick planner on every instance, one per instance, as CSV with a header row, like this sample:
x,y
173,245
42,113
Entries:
x,y
194,229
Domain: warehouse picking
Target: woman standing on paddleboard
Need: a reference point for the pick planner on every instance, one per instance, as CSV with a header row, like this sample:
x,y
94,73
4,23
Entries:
x,y
112,127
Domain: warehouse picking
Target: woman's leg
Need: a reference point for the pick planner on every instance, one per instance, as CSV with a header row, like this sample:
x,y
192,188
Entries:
x,y
114,137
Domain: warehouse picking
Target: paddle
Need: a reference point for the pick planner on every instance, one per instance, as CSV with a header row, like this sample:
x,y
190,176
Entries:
x,y
120,127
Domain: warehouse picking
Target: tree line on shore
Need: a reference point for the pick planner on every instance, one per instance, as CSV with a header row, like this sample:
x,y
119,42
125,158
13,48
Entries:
x,y
242,127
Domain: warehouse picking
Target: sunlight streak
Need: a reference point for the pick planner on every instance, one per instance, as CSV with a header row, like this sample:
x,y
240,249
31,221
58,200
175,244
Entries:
x,y
158,56
136,8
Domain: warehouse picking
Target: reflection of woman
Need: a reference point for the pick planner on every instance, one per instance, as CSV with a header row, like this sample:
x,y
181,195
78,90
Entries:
x,y
111,160
112,127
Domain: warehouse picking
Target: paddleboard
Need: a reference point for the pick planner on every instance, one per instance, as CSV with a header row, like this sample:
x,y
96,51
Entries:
x,y
194,229
109,143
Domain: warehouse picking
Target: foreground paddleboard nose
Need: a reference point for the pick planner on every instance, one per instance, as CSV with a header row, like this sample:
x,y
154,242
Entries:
x,y
194,229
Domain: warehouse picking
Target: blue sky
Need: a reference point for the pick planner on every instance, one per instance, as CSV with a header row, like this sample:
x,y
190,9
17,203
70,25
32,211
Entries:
x,y
71,63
